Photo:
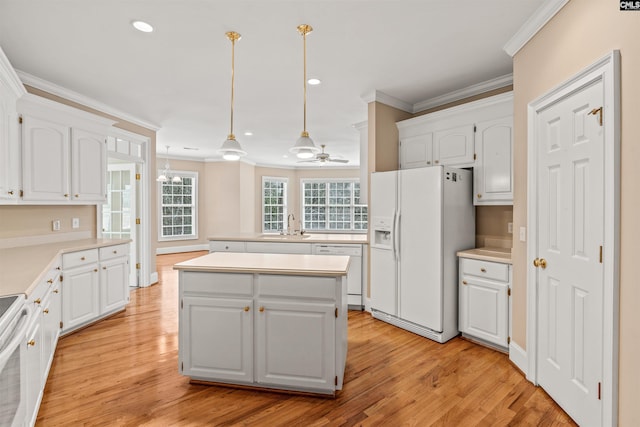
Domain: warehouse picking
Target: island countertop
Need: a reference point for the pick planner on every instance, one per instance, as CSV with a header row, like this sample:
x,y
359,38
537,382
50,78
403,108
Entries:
x,y
290,264
308,237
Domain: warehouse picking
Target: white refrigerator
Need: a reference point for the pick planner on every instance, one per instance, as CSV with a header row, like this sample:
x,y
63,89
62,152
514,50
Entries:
x,y
420,218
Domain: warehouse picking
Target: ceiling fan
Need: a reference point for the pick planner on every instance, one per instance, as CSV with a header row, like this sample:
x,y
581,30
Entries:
x,y
323,157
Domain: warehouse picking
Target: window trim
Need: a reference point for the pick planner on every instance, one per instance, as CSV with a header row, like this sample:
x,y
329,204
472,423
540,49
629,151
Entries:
x,y
285,181
195,204
326,230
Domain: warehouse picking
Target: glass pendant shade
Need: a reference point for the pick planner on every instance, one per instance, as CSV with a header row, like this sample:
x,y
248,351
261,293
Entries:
x,y
231,149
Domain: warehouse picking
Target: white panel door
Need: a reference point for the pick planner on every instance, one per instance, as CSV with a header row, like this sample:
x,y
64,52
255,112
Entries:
x,y
295,344
88,166
218,338
421,246
570,224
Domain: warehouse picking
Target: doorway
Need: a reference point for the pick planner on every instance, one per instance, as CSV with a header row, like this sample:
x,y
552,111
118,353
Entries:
x,y
573,220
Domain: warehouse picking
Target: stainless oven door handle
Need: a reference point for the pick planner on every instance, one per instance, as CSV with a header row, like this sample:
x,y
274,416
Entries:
x,y
21,328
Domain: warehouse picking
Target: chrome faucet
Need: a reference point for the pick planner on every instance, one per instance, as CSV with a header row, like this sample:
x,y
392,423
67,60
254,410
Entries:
x,y
290,218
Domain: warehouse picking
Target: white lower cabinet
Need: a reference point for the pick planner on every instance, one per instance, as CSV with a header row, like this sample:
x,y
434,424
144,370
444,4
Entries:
x,y
484,291
81,296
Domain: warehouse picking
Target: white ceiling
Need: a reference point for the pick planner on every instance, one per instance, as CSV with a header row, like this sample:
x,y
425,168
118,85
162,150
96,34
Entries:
x,y
178,77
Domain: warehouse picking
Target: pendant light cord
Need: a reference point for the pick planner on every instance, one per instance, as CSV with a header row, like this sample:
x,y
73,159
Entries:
x,y
304,79
233,46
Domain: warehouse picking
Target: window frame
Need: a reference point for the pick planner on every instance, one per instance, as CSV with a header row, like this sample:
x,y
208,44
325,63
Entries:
x,y
194,207
285,181
352,205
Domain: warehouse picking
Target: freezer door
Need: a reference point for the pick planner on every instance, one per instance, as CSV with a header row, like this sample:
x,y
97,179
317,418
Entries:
x,y
383,195
384,292
420,243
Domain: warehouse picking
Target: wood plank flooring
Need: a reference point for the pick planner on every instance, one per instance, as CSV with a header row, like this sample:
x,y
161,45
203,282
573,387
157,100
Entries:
x,y
124,372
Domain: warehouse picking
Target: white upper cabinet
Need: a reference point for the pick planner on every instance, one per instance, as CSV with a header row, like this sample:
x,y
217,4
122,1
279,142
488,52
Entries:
x,y
11,89
64,154
478,134
493,172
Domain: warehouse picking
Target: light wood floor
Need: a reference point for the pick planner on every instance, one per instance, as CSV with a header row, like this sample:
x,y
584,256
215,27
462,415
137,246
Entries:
x,y
124,372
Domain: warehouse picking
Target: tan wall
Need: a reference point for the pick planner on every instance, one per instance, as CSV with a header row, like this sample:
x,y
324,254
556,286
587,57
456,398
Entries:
x,y
131,127
580,34
189,166
492,222
26,220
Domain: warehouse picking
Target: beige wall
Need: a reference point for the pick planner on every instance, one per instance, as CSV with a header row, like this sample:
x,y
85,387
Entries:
x,y
580,34
28,220
492,222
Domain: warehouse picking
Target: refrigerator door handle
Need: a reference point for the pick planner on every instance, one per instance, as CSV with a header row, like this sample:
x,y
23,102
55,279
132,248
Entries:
x,y
393,234
396,235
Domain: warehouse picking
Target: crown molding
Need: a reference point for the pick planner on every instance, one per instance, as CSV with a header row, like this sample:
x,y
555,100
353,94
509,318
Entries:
x,y
65,93
534,24
8,75
456,95
377,96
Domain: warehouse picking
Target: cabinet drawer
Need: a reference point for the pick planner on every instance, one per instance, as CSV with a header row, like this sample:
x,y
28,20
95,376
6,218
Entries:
x,y
216,283
226,246
279,248
116,251
75,259
296,286
485,269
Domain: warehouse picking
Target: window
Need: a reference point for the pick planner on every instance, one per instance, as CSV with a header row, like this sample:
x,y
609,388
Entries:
x,y
274,204
333,205
178,207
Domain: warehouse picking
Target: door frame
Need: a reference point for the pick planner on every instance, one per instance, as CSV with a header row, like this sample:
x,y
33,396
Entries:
x,y
607,70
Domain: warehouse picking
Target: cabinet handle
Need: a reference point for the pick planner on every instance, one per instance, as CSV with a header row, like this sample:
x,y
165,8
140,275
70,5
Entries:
x,y
261,309
50,281
246,308
37,301
31,343
479,196
56,291
46,311
10,192
484,270
464,282
82,259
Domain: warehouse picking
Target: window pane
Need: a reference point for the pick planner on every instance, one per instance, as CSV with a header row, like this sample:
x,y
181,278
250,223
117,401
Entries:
x,y
274,206
177,208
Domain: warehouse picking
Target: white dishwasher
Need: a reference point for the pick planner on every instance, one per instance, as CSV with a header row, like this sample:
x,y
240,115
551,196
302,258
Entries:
x,y
354,279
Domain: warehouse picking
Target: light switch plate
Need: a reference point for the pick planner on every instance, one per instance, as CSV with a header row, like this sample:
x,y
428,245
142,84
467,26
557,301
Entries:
x,y
510,227
75,223
55,225
523,234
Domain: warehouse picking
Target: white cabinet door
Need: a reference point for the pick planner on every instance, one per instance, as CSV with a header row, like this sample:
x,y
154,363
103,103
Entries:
x,y
454,146
493,171
217,338
416,151
51,317
80,296
295,344
45,157
114,284
9,145
484,310
88,166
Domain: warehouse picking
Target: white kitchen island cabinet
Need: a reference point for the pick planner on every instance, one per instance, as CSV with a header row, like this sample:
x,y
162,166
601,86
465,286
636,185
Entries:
x,y
272,321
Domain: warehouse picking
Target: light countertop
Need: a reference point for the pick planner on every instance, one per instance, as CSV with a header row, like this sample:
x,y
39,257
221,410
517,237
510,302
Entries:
x,y
25,266
308,237
502,255
294,264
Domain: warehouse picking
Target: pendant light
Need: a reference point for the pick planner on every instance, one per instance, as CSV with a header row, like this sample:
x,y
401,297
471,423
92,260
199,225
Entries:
x,y
231,149
166,174
304,147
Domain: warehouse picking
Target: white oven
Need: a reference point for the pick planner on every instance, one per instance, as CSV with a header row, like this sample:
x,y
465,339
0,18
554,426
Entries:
x,y
14,316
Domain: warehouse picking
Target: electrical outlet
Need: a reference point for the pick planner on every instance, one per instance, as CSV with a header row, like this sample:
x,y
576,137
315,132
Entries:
x,y
523,234
75,223
55,225
510,227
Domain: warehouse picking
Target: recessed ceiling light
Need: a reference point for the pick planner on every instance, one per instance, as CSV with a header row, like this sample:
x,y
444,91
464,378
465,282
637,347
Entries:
x,y
142,26
314,82
248,133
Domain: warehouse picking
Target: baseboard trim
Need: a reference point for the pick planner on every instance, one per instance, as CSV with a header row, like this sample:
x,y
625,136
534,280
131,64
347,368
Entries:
x,y
180,249
518,357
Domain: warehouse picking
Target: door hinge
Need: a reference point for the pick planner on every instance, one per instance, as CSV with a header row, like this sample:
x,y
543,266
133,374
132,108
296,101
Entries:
x,y
181,303
508,340
61,277
335,381
600,254
475,129
475,156
181,366
508,291
61,324
21,193
20,119
137,177
137,266
138,221
336,312
598,111
599,391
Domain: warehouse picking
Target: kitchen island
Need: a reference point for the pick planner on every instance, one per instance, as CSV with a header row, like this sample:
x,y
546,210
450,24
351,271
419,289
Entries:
x,y
271,321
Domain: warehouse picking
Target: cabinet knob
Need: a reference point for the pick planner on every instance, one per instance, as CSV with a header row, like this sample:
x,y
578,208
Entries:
x,y
226,247
429,162
56,291
464,282
479,196
10,192
37,301
246,308
82,259
31,343
261,309
437,161
58,268
104,268
46,311
76,195
484,270
115,252
95,270
66,195
50,281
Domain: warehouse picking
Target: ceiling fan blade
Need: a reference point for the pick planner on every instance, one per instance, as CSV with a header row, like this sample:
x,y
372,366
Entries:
x,y
338,160
307,161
